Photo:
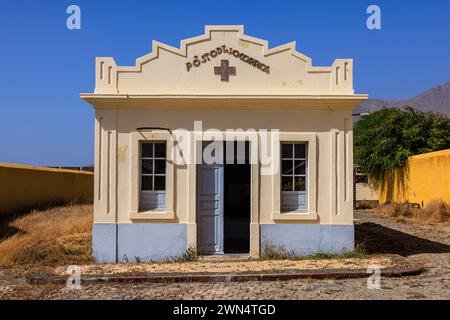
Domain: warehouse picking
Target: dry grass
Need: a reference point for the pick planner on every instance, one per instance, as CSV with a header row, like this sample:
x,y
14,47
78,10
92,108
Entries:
x,y
436,211
56,236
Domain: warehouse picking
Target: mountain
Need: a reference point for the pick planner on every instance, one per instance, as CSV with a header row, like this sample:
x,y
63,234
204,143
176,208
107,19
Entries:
x,y
435,99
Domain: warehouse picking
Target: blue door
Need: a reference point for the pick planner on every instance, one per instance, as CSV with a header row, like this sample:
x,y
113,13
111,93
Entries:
x,y
210,184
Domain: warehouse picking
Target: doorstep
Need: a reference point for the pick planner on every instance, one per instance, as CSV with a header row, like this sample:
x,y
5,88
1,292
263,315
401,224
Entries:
x,y
228,257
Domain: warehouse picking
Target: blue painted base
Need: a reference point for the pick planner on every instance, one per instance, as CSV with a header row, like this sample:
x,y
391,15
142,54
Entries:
x,y
104,242
307,239
143,242
161,241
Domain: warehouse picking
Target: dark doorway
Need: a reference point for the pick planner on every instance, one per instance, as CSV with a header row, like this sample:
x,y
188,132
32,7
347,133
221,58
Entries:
x,y
237,198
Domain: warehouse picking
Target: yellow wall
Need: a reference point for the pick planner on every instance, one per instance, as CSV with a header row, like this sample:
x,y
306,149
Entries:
x,y
24,187
426,177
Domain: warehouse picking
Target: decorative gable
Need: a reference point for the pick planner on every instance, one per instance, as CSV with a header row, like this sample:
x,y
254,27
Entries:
x,y
224,61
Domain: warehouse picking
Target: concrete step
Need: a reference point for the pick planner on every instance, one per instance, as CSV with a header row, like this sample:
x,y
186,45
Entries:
x,y
232,257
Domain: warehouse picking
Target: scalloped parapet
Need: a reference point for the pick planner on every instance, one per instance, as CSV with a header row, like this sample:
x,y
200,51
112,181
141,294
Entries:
x,y
196,68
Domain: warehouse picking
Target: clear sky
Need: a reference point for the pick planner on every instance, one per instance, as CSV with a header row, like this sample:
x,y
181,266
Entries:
x,y
44,66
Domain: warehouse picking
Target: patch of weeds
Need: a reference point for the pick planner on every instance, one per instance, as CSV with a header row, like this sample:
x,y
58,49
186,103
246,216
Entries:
x,y
189,255
400,211
316,256
272,252
357,253
436,211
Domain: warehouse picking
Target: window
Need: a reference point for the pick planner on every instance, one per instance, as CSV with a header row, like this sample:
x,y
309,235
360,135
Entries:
x,y
293,176
153,175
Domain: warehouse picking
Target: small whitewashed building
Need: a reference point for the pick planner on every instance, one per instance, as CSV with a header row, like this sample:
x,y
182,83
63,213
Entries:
x,y
223,145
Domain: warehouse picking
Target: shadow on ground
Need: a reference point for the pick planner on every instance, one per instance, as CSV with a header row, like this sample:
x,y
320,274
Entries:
x,y
375,238
8,231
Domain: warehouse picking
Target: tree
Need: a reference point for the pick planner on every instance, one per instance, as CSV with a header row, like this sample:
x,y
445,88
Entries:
x,y
385,139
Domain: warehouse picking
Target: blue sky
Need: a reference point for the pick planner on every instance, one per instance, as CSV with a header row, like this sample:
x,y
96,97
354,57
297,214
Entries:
x,y
44,66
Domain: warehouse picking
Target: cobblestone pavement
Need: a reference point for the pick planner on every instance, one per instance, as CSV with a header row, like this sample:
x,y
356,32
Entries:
x,y
428,244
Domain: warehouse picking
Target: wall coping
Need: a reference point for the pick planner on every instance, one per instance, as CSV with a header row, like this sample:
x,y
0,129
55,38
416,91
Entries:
x,y
440,153
38,168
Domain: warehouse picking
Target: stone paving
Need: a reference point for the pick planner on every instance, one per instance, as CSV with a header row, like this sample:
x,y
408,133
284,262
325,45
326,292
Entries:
x,y
428,244
435,284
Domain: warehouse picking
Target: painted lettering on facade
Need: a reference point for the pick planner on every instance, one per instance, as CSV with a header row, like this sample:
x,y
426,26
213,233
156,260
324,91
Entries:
x,y
198,61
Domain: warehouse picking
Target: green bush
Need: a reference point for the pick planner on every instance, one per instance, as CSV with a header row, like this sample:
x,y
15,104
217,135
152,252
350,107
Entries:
x,y
385,139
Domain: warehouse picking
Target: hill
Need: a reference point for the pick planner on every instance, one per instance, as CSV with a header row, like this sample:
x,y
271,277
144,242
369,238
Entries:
x,y
435,99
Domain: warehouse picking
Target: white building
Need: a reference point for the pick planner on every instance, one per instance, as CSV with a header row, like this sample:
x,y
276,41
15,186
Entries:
x,y
157,190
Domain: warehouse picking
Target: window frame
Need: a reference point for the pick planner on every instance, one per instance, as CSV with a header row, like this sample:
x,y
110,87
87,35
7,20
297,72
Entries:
x,y
310,212
136,212
290,200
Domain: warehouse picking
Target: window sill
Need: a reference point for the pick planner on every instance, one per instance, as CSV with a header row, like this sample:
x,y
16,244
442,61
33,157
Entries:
x,y
153,215
295,216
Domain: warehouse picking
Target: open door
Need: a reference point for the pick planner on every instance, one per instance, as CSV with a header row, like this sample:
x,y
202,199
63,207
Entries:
x,y
210,195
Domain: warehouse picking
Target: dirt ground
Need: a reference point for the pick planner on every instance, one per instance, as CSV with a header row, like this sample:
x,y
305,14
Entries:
x,y
230,267
429,244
